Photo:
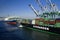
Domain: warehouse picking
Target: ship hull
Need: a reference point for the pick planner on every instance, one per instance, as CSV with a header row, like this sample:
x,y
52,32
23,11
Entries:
x,y
43,28
11,22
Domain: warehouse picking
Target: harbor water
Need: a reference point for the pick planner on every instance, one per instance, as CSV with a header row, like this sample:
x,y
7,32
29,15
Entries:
x,y
13,32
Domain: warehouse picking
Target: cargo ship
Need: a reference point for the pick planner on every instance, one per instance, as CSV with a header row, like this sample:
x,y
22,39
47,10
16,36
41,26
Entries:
x,y
47,21
11,21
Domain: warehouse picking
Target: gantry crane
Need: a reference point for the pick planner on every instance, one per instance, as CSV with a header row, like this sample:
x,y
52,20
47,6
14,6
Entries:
x,y
44,9
53,8
40,5
36,12
50,4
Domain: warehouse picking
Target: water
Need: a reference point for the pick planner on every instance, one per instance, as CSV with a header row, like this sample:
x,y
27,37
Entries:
x,y
10,32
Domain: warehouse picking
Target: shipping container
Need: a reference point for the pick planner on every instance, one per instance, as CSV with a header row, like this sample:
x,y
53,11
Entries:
x,y
37,21
57,22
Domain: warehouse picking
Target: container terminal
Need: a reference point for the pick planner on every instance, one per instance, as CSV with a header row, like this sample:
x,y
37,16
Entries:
x,y
48,20
45,25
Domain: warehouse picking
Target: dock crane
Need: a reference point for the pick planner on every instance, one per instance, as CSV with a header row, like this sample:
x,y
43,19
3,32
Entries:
x,y
50,4
42,8
53,8
36,12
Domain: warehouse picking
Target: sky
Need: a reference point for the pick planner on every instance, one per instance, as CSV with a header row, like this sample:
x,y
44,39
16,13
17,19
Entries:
x,y
20,7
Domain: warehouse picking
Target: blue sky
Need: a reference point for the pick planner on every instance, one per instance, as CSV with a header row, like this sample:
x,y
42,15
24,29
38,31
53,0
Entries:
x,y
21,8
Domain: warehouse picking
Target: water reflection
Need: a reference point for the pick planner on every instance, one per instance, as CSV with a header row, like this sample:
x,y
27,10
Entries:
x,y
36,35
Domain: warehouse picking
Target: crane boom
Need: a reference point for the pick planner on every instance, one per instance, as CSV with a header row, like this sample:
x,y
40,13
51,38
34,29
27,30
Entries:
x,y
42,8
33,9
52,6
55,7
